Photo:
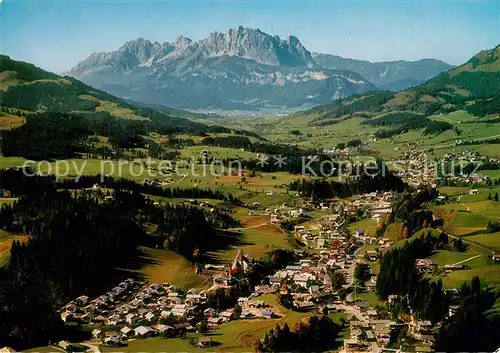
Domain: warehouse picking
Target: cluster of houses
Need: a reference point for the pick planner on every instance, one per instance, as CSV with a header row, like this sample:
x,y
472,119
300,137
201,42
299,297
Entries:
x,y
337,151
415,168
279,213
459,160
429,266
374,204
330,229
133,312
321,236
371,333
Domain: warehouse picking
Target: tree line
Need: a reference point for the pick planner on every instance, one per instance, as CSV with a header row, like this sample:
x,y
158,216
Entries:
x,y
399,275
323,188
316,335
475,326
19,182
60,135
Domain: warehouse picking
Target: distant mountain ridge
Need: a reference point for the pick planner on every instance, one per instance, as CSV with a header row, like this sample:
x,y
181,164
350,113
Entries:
x,y
243,69
388,75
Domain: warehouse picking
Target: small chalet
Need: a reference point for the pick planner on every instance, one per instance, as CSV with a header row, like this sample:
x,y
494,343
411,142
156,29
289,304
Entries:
x,y
204,341
144,331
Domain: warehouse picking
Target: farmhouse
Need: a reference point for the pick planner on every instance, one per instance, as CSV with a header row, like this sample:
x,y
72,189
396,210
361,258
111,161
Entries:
x,y
303,306
127,331
209,312
264,289
144,331
214,321
245,315
267,314
7,350
371,255
204,341
64,344
226,315
301,279
66,316
185,326
161,329
82,300
96,333
131,318
425,265
112,342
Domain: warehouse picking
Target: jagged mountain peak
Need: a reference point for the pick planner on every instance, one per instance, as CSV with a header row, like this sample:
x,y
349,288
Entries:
x,y
140,49
182,41
256,45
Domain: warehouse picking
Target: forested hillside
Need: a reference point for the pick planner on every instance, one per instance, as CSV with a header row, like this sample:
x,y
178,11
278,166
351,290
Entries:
x,y
25,87
473,87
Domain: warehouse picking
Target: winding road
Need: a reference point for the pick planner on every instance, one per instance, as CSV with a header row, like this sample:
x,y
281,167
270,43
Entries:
x,y
466,260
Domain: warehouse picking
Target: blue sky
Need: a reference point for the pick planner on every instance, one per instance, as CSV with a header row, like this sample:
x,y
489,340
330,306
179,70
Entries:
x,y
57,34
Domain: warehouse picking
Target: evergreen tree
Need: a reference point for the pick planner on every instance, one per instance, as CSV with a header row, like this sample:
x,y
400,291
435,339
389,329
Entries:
x,y
237,311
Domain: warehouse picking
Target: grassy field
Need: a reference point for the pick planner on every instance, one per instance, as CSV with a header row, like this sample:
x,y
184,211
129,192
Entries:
x,y
487,274
453,191
10,121
471,213
11,162
468,217
490,240
7,201
166,266
46,349
257,241
6,240
476,260
369,225
370,297
394,231
445,257
113,108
